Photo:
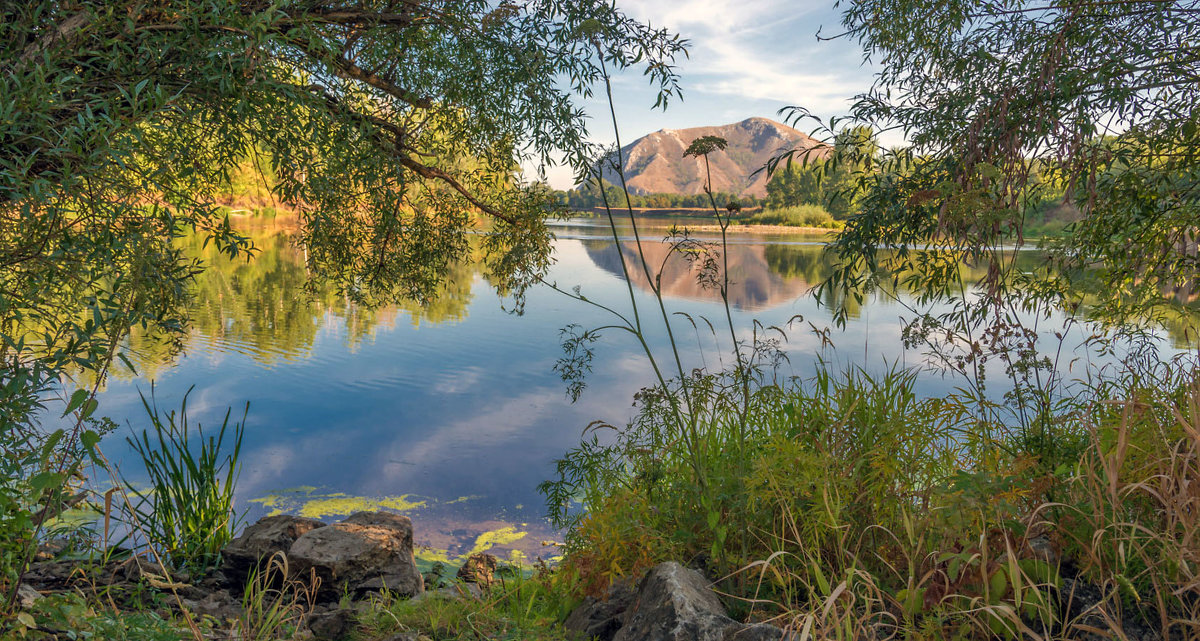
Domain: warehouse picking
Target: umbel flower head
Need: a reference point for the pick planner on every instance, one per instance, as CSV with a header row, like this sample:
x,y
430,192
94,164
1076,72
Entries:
x,y
705,145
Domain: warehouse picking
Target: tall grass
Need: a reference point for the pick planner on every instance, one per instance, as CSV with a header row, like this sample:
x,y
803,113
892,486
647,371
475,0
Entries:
x,y
517,606
869,512
1130,514
187,512
275,601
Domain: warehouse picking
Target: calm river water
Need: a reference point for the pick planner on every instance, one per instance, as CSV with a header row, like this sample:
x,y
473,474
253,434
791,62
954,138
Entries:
x,y
452,413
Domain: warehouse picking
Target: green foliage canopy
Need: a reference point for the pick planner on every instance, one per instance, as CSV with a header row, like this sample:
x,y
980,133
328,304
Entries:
x,y
1006,101
385,123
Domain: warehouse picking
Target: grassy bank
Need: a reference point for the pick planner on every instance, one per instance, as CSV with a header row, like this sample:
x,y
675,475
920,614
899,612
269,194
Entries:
x,y
810,216
847,506
841,506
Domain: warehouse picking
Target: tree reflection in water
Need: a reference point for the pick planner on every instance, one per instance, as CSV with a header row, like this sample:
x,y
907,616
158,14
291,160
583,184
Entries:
x,y
266,306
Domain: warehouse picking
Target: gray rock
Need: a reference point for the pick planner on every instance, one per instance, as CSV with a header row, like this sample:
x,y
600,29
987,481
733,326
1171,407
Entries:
x,y
333,625
27,596
1043,549
479,568
675,604
138,569
219,605
601,618
266,537
51,575
455,591
367,551
64,574
1090,615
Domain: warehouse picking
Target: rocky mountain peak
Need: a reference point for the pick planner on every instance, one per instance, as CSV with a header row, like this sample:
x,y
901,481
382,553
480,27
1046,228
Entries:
x,y
655,162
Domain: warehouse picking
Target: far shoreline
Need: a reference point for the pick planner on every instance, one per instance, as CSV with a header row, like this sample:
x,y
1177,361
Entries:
x,y
663,217
752,228
288,217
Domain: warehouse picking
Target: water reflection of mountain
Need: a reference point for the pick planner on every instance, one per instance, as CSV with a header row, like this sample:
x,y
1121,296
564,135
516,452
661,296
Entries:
x,y
761,276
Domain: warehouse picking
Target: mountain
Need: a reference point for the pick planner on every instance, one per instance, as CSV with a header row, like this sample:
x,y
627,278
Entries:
x,y
655,164
754,282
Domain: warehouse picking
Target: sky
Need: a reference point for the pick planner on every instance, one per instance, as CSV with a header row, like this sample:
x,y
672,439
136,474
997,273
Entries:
x,y
747,58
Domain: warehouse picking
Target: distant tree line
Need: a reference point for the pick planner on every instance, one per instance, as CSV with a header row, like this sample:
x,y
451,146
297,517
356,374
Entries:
x,y
805,186
836,183
589,196
830,182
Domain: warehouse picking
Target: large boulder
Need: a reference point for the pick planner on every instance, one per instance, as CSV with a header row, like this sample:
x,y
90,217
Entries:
x,y
601,619
1090,613
259,541
674,603
367,551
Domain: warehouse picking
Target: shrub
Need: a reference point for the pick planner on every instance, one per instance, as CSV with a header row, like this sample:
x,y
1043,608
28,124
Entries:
x,y
40,462
795,216
817,456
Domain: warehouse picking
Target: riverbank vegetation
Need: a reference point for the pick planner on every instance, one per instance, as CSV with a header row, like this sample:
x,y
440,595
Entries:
x,y
848,506
593,196
128,126
1040,498
1037,499
813,216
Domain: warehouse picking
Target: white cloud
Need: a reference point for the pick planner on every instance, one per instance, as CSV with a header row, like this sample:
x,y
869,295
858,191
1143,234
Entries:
x,y
765,50
746,58
725,15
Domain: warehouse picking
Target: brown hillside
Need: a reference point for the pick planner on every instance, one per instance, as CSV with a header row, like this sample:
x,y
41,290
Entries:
x,y
753,284
655,164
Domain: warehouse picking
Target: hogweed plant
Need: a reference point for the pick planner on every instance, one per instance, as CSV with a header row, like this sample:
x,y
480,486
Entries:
x,y
692,427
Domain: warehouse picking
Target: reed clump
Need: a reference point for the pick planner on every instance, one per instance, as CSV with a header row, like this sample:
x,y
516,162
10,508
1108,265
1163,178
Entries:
x,y
186,510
